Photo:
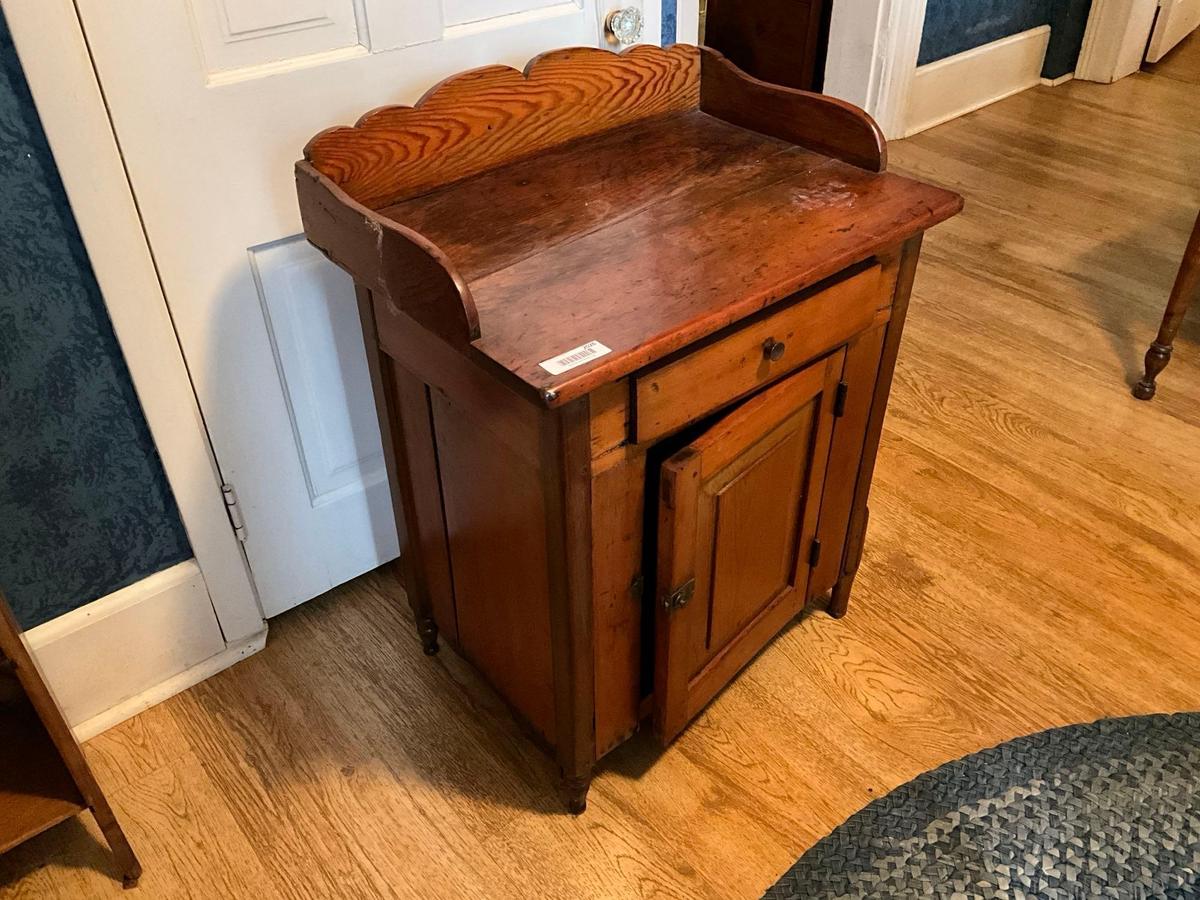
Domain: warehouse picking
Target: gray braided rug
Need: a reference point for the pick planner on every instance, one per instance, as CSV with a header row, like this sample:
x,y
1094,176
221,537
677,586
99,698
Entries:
x,y
1110,809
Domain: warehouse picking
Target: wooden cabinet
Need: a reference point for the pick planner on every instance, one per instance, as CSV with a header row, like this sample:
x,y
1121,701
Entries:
x,y
631,322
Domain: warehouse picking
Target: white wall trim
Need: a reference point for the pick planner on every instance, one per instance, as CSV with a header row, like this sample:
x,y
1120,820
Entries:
x,y
962,83
176,684
135,647
873,48
57,64
1061,79
1115,40
687,22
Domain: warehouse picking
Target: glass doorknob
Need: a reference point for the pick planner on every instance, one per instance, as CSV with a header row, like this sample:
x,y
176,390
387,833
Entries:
x,y
624,26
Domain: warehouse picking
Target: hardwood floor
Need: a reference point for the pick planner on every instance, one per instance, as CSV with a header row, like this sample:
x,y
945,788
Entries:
x,y
1033,560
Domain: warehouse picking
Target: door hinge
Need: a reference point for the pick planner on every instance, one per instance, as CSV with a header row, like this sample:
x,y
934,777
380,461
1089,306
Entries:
x,y
679,597
814,553
839,399
234,511
637,586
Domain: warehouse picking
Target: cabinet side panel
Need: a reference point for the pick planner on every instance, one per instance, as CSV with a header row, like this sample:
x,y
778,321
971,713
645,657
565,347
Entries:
x,y
618,489
906,270
496,527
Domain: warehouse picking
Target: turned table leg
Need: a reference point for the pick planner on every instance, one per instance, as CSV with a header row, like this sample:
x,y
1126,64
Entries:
x,y
1187,285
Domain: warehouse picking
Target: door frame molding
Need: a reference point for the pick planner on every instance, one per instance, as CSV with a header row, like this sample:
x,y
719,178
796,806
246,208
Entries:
x,y
1114,43
54,54
872,57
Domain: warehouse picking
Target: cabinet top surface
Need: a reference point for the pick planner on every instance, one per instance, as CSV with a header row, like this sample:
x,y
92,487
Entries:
x,y
642,201
654,235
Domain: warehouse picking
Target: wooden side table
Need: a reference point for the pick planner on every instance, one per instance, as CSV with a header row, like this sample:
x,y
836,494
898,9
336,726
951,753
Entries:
x,y
44,777
632,322
1187,286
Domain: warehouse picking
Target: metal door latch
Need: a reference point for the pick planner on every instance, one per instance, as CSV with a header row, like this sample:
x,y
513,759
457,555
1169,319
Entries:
x,y
679,597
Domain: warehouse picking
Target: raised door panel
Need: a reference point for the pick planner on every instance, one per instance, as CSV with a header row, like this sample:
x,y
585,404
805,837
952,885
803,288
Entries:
x,y
737,519
243,40
755,516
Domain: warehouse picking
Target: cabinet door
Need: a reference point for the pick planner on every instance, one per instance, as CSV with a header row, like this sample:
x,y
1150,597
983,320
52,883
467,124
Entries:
x,y
737,520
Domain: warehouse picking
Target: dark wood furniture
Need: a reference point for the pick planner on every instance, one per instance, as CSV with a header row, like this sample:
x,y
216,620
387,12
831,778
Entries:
x,y
721,268
44,777
780,41
1187,286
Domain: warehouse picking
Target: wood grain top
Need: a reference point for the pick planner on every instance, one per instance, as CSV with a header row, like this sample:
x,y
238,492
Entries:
x,y
653,236
505,215
643,200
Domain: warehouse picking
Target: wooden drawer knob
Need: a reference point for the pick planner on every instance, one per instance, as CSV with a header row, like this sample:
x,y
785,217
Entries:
x,y
773,349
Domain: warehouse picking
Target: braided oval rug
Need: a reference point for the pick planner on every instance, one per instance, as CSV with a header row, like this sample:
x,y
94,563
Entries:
x,y
1110,809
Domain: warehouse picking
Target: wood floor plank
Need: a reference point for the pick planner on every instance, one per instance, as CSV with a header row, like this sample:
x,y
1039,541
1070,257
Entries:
x,y
1033,561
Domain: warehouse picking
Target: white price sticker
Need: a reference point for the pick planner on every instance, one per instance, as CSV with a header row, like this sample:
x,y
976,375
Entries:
x,y
565,362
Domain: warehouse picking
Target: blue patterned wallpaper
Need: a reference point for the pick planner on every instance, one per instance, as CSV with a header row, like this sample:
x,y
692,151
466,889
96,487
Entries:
x,y
669,10
953,26
84,504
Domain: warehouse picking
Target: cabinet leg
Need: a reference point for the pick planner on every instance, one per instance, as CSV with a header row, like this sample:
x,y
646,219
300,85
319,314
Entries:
x,y
1157,358
418,600
574,791
840,601
428,630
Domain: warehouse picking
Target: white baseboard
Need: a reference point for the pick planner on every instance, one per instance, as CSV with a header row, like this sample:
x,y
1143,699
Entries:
x,y
1061,79
963,83
135,647
165,690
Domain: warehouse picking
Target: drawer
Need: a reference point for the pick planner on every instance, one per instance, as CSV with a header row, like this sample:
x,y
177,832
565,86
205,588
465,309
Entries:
x,y
691,386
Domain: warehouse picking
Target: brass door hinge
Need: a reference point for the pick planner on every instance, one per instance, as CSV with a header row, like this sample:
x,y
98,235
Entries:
x,y
679,597
637,586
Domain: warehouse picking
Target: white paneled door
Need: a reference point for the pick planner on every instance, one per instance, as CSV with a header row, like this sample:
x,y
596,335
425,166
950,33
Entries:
x,y
212,102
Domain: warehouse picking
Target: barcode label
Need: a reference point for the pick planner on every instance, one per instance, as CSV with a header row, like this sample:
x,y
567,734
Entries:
x,y
564,362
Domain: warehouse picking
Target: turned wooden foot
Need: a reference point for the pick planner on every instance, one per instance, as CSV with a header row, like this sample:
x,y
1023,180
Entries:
x,y
428,630
574,792
1187,286
123,855
839,603
1157,358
